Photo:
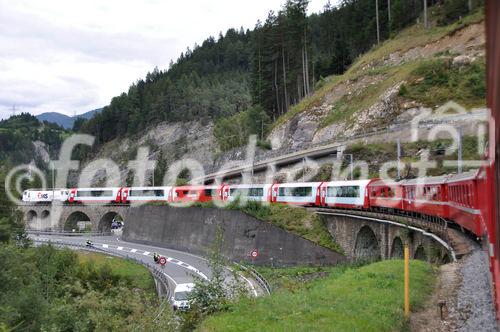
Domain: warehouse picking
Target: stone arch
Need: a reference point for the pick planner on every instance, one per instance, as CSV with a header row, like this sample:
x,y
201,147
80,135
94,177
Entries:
x,y
107,219
31,216
367,246
73,219
420,253
45,214
397,248
31,219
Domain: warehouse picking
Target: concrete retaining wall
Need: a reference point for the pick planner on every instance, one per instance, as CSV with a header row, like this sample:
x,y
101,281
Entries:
x,y
194,229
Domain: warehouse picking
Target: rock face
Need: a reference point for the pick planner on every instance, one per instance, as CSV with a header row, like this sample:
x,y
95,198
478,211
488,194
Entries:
x,y
177,141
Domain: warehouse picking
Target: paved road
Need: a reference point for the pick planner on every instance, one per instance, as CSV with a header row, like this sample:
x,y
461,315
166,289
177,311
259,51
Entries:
x,y
181,267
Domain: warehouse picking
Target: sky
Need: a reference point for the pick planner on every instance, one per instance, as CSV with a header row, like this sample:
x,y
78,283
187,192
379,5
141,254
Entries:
x,y
74,56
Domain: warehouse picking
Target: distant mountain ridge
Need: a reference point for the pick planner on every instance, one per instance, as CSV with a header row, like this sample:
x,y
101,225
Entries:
x,y
63,120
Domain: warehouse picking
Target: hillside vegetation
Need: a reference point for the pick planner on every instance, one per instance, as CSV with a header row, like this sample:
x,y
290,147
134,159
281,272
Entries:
x,y
417,67
368,298
270,68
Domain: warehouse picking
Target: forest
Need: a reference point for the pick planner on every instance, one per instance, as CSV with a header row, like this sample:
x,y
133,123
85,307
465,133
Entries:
x,y
269,68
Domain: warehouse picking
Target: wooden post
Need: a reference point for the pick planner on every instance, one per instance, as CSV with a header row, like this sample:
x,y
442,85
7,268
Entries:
x,y
407,282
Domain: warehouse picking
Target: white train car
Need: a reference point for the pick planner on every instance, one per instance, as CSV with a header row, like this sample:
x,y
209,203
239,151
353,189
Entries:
x,y
146,194
45,196
95,195
302,193
250,192
345,194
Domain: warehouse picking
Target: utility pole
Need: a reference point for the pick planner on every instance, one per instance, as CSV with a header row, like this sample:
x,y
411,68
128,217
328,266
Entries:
x,y
426,24
378,27
459,161
389,12
13,109
352,168
399,159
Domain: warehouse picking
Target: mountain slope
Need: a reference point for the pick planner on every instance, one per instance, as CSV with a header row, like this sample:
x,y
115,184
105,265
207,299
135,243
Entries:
x,y
393,80
63,120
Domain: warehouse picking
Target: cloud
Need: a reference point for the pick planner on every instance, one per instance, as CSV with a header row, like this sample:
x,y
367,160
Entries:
x,y
74,56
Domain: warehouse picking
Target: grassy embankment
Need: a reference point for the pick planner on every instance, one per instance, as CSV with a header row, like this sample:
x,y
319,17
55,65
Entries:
x,y
137,275
368,298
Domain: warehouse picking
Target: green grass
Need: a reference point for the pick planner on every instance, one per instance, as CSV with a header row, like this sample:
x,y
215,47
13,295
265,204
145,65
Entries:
x,y
296,277
437,81
369,298
348,105
137,274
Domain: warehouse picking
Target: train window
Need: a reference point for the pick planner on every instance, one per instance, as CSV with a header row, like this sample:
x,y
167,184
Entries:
x,y
297,191
343,191
94,193
147,192
209,192
251,192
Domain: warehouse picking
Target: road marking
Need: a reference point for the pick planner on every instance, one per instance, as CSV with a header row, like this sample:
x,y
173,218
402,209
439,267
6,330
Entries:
x,y
119,248
133,250
145,253
105,246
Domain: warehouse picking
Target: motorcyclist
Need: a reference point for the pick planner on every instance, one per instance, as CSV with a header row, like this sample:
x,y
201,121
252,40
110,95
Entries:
x,y
89,243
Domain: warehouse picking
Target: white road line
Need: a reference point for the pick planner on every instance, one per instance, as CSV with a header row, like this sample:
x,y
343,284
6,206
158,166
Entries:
x,y
133,250
119,248
105,246
145,253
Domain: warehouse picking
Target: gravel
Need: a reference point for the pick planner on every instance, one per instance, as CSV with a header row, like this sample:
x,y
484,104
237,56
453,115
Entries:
x,y
474,307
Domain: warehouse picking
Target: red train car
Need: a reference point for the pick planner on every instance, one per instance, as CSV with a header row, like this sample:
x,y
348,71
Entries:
x,y
463,202
426,196
386,194
186,194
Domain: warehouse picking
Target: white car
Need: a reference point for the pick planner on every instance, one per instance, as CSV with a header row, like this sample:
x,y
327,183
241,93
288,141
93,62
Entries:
x,y
180,299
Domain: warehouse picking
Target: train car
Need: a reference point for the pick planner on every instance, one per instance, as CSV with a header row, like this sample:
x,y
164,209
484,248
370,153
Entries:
x,y
251,192
463,202
302,193
95,195
385,194
185,194
146,194
45,196
426,196
345,194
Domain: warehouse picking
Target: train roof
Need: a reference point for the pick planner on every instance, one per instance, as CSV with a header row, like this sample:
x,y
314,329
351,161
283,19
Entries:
x,y
470,175
99,188
349,182
251,185
427,180
299,184
384,182
149,188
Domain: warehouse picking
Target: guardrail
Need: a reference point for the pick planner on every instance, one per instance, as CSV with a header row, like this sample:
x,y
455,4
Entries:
x,y
67,233
258,277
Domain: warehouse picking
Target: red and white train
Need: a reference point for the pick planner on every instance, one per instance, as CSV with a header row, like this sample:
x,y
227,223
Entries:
x,y
455,198
465,199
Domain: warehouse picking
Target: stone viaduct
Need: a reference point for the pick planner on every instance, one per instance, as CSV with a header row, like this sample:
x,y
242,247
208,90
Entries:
x,y
359,238
67,217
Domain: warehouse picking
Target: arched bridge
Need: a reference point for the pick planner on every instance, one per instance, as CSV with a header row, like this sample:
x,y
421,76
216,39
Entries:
x,y
359,237
72,217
